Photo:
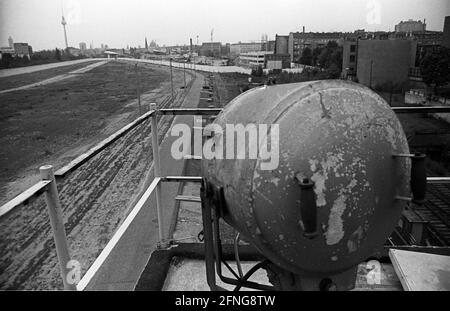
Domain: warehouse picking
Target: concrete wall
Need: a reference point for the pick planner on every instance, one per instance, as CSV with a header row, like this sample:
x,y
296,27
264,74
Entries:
x,y
291,47
211,49
274,64
281,44
446,36
383,61
349,59
284,58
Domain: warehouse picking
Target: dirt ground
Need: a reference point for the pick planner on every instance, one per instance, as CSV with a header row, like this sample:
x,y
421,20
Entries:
x,y
28,78
50,124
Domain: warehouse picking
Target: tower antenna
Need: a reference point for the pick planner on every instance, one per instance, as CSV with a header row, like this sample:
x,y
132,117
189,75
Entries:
x,y
212,39
64,23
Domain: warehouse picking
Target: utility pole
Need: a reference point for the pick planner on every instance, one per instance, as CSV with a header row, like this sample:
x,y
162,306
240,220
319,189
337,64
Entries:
x,y
212,38
138,91
197,50
171,76
390,94
184,74
371,70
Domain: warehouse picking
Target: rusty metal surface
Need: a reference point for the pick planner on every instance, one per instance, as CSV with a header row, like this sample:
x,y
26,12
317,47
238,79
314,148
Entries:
x,y
340,135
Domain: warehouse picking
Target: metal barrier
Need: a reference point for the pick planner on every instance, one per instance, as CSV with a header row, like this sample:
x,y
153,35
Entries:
x,y
422,109
48,186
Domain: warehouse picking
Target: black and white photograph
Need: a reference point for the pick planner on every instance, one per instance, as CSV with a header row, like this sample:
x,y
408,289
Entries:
x,y
187,147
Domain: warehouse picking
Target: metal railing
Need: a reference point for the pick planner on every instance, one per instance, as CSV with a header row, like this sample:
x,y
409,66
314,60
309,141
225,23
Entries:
x,y
49,178
422,109
48,186
155,186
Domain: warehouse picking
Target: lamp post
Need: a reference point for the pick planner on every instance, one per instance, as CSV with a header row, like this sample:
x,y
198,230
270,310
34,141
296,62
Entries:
x,y
184,74
171,75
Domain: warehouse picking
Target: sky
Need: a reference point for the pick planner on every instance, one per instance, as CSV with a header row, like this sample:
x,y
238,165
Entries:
x,y
119,23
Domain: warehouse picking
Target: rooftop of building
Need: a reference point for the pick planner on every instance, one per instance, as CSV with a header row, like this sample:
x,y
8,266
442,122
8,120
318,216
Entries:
x,y
246,43
411,21
211,43
256,53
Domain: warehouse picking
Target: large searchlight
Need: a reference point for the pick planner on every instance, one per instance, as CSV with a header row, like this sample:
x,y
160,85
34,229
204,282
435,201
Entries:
x,y
342,181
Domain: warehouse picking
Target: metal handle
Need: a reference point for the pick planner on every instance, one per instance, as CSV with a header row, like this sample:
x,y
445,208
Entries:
x,y
308,208
418,178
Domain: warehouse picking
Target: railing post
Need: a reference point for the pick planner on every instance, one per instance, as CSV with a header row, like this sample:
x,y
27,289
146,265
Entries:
x,y
56,221
157,171
184,74
171,76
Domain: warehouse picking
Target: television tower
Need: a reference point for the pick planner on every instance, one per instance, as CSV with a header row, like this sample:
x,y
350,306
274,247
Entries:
x,y
64,23
212,39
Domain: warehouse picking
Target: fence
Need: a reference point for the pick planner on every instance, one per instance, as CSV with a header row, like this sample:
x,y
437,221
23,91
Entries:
x,y
193,66
417,96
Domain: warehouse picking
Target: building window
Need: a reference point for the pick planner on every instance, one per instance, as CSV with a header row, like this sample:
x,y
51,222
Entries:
x,y
352,58
352,48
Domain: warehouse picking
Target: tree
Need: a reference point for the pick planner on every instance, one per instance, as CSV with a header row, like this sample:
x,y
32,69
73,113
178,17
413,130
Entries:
x,y
329,55
334,72
6,60
332,45
307,57
315,55
336,58
58,54
435,68
258,71
25,60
